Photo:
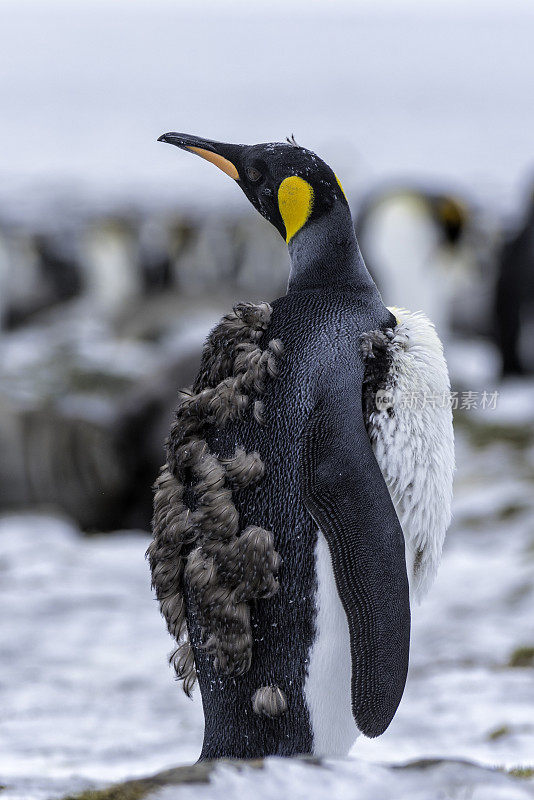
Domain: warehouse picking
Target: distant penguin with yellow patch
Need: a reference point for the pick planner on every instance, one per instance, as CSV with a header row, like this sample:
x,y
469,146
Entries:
x,y
294,513
423,248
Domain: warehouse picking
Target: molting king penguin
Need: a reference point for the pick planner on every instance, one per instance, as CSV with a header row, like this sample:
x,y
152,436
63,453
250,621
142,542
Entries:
x,y
295,513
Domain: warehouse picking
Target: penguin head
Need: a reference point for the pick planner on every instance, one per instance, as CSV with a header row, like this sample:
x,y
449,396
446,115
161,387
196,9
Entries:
x,y
289,185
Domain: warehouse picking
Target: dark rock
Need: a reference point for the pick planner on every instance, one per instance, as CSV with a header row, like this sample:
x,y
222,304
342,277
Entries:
x,y
522,657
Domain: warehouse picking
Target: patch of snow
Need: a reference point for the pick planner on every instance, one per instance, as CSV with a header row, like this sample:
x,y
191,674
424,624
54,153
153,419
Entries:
x,y
87,696
339,779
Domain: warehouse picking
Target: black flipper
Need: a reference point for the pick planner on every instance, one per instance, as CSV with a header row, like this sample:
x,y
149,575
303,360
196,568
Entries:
x,y
346,494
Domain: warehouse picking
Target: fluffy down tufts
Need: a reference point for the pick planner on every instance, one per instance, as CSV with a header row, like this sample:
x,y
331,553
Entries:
x,y
269,701
225,568
244,468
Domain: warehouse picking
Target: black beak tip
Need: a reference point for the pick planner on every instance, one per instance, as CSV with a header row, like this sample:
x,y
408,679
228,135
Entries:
x,y
163,138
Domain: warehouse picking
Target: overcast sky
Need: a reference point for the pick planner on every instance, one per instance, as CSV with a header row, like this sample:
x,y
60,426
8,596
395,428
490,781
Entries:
x,y
379,89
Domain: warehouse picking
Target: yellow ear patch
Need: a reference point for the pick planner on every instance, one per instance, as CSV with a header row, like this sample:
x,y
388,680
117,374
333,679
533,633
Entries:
x,y
452,211
219,161
295,202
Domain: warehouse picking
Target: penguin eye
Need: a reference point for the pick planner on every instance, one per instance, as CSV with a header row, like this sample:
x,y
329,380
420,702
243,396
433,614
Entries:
x,y
253,174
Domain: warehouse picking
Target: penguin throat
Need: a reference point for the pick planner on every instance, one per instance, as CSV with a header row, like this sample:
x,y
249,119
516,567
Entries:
x,y
325,253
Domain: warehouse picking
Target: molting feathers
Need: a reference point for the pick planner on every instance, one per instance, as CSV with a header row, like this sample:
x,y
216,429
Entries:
x,y
412,435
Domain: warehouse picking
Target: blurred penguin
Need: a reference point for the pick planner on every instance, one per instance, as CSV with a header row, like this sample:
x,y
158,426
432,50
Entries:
x,y
418,246
155,255
110,258
514,297
37,271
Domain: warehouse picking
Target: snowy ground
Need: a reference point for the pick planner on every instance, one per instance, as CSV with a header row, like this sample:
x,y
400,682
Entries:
x,y
86,697
343,780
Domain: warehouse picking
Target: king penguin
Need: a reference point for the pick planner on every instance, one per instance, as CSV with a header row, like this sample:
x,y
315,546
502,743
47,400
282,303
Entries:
x,y
423,249
304,497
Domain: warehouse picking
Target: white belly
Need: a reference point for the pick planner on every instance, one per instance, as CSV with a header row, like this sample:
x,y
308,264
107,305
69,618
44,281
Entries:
x,y
327,687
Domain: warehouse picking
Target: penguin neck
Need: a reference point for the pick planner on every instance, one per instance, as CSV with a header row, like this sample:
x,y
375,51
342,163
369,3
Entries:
x,y
325,254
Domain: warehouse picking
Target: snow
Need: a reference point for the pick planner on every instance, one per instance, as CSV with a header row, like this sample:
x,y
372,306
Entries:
x,y
87,697
340,779
86,694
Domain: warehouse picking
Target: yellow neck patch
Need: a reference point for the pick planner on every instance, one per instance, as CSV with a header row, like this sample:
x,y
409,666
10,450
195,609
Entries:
x,y
341,187
295,202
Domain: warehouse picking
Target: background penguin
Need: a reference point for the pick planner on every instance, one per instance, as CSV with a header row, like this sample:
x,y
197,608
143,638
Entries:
x,y
513,305
278,555
428,251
